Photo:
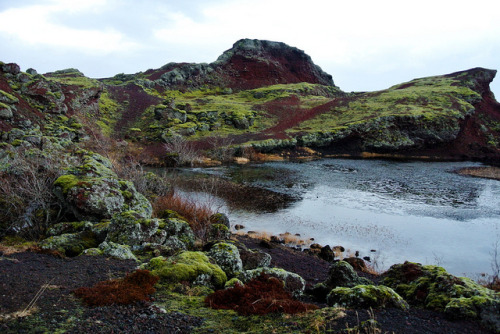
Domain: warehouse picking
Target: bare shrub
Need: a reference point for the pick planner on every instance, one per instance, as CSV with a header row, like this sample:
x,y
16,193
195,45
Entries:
x,y
182,151
147,183
28,205
220,148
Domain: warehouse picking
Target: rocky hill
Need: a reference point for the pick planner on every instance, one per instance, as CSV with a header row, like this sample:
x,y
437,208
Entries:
x,y
263,94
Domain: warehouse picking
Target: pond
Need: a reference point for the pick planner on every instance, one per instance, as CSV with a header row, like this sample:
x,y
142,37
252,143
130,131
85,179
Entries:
x,y
387,210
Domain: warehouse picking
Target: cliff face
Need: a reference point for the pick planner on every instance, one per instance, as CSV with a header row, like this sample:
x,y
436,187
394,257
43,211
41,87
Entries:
x,y
264,94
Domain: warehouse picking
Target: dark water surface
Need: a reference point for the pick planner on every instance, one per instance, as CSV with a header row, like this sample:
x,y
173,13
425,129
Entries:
x,y
417,211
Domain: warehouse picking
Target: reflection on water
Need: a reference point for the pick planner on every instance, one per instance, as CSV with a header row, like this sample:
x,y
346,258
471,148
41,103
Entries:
x,y
417,211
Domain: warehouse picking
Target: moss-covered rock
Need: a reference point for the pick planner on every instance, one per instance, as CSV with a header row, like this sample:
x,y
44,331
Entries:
x,y
253,259
168,235
227,257
122,252
194,267
342,274
366,296
434,288
232,283
71,244
219,232
130,228
294,283
92,191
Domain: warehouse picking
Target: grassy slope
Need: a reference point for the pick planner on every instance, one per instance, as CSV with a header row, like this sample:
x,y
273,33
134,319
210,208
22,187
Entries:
x,y
428,97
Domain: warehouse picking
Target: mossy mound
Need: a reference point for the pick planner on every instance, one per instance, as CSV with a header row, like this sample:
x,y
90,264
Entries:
x,y
71,244
131,229
193,267
366,296
434,288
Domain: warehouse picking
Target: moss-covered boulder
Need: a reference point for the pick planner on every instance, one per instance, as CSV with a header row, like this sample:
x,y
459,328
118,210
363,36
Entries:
x,y
254,258
71,244
122,252
220,218
366,296
434,288
193,267
218,232
129,228
92,191
342,274
294,283
227,257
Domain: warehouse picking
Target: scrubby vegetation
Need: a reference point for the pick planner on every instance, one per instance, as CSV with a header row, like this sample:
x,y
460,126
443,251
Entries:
x,y
261,295
137,286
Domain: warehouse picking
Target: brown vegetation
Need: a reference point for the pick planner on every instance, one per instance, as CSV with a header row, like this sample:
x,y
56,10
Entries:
x,y
136,286
486,172
262,295
196,213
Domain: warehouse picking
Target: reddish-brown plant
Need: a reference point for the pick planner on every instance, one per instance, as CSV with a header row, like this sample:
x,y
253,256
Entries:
x,y
134,287
262,295
196,213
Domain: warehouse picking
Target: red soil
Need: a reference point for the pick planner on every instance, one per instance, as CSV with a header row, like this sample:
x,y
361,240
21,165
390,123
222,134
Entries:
x,y
138,102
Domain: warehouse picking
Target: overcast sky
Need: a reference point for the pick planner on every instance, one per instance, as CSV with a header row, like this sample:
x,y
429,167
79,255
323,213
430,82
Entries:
x,y
364,45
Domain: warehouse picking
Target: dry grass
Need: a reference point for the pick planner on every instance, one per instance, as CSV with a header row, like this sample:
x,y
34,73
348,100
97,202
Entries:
x,y
196,213
31,308
485,172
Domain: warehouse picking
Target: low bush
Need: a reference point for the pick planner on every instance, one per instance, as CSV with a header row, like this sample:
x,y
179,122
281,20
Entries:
x,y
197,214
137,286
261,295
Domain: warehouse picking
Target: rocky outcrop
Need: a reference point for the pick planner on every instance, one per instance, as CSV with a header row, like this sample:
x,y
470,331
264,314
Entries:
x,y
253,63
249,64
434,288
294,284
366,296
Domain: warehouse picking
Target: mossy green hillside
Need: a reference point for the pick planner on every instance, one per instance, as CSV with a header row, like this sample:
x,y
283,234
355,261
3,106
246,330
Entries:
x,y
215,111
426,99
108,113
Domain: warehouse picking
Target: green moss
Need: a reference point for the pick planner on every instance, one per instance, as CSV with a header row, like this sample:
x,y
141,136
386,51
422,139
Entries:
x,y
74,78
109,113
187,266
431,99
9,97
229,322
366,296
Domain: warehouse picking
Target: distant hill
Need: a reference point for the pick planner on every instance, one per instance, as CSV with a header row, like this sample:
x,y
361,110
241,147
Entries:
x,y
262,94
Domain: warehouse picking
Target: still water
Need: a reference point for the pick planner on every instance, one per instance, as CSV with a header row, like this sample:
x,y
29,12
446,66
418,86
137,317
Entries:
x,y
390,211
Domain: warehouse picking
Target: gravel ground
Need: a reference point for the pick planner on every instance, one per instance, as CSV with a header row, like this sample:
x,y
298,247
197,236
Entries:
x,y
23,274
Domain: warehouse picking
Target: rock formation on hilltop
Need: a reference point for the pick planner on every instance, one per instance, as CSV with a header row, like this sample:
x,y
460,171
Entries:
x,y
249,64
